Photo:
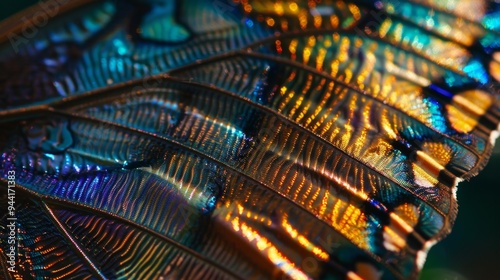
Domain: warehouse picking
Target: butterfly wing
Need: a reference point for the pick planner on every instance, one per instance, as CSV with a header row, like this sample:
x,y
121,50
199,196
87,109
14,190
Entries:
x,y
260,139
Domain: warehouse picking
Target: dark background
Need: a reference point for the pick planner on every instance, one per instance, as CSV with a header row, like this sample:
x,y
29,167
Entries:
x,y
472,250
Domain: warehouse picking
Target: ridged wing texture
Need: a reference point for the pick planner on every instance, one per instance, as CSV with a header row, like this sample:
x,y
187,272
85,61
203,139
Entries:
x,y
242,140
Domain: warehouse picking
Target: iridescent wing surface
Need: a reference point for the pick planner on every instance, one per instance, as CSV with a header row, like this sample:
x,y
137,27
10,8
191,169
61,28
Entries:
x,y
241,140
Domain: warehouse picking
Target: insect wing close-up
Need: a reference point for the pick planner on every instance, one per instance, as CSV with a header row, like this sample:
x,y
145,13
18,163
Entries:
x,y
246,139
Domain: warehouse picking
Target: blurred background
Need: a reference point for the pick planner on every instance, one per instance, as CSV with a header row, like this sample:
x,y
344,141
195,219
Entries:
x,y
472,250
